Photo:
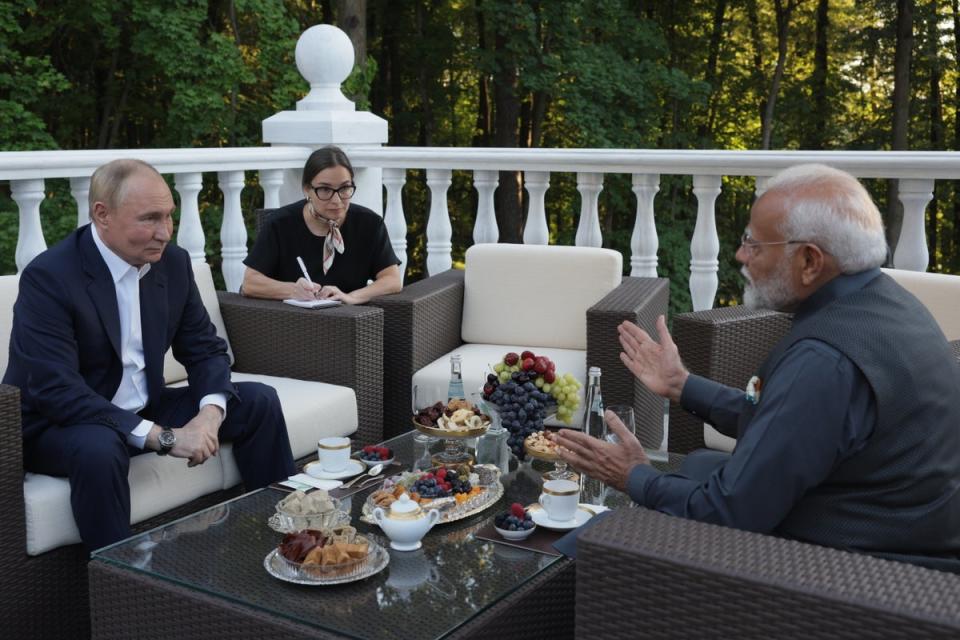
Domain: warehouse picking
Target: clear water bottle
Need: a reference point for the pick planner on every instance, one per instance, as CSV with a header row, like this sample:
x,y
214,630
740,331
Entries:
x,y
455,388
592,491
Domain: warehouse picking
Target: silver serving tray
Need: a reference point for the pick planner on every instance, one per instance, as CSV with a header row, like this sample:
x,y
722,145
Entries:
x,y
377,559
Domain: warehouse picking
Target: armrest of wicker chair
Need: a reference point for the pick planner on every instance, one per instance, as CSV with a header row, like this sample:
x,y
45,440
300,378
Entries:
x,y
638,300
726,345
12,525
680,578
340,345
420,324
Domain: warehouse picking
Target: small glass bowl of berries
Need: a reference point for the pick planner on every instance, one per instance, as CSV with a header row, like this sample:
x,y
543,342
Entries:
x,y
375,454
516,524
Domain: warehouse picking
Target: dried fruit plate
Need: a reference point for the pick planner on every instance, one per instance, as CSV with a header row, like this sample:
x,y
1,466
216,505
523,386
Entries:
x,y
483,500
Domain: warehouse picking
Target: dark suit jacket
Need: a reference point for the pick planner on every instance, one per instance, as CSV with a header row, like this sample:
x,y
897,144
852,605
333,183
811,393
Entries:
x,y
65,342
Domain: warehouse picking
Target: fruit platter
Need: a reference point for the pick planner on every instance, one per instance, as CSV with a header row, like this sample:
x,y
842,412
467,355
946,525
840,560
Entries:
x,y
524,389
457,419
456,492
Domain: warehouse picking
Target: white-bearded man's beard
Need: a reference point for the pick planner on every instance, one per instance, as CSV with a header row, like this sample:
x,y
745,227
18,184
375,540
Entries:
x,y
774,293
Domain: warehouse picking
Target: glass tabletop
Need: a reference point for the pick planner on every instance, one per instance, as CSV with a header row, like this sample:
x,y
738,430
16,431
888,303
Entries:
x,y
425,593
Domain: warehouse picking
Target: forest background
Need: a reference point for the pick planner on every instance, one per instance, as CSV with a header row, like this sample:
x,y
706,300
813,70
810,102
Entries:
x,y
632,74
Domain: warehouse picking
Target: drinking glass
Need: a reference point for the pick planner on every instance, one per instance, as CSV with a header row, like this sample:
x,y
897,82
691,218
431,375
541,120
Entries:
x,y
625,413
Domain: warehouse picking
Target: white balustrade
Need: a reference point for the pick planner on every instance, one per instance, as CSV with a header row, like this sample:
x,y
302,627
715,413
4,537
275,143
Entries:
x,y
190,231
439,230
80,190
588,231
705,245
28,194
485,226
233,232
536,230
643,241
271,180
911,252
393,217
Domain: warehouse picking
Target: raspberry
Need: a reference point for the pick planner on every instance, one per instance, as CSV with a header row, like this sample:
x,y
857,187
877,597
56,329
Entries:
x,y
516,509
369,448
383,455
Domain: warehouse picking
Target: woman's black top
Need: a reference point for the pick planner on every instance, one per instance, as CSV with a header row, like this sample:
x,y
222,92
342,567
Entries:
x,y
284,235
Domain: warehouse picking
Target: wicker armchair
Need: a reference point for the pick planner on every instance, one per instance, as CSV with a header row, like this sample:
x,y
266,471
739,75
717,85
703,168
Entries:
x,y
423,322
712,581
45,596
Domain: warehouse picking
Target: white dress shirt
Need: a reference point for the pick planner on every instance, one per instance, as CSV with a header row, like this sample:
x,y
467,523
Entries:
x,y
132,392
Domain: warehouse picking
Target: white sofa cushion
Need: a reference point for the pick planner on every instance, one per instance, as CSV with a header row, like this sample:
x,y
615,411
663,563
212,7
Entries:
x,y
939,292
533,295
8,295
173,371
312,410
157,484
432,380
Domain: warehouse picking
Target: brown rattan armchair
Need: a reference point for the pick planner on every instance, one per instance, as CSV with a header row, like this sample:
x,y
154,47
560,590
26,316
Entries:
x,y
680,578
423,322
45,596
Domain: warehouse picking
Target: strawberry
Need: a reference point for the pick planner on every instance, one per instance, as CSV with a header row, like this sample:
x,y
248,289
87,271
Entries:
x,y
369,448
516,509
384,455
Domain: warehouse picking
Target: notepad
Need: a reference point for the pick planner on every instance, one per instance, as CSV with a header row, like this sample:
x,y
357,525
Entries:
x,y
312,304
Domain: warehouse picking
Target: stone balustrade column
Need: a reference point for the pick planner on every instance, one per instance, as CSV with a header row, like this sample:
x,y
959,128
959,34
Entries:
x,y
705,245
439,230
233,231
393,216
80,190
536,230
911,252
588,231
271,180
190,231
644,242
28,194
485,227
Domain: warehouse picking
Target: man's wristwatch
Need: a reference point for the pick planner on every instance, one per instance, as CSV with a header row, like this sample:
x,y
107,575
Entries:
x,y
166,439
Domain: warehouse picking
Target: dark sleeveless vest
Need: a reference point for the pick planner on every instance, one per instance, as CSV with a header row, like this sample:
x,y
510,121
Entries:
x,y
901,493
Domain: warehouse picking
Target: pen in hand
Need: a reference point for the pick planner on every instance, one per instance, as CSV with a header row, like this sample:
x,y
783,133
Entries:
x,y
306,275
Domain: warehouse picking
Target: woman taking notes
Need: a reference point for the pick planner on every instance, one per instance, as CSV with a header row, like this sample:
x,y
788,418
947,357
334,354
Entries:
x,y
342,245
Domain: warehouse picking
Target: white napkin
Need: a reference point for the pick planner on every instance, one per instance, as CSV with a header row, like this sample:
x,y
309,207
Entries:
x,y
310,481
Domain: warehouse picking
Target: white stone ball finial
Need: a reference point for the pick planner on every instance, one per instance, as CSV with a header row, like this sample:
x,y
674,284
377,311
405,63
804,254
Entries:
x,y
325,58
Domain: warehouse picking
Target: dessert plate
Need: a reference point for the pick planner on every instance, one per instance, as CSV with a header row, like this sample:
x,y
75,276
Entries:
x,y
354,467
541,519
376,560
480,502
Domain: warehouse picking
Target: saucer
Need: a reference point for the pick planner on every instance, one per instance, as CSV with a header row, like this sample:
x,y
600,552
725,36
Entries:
x,y
354,467
541,519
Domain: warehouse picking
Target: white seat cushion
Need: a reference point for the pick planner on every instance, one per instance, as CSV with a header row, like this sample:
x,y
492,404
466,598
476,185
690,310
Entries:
x,y
432,380
312,410
939,292
157,484
8,295
534,295
173,371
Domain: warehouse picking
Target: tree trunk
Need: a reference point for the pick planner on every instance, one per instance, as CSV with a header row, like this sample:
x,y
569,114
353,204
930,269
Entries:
x,y
955,245
936,126
901,110
704,131
425,137
481,135
783,30
352,18
505,134
817,134
757,40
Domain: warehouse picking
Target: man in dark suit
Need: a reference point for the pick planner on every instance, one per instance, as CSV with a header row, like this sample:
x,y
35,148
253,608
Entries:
x,y
93,319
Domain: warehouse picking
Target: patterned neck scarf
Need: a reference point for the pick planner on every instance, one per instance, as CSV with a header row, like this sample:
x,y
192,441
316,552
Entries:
x,y
332,245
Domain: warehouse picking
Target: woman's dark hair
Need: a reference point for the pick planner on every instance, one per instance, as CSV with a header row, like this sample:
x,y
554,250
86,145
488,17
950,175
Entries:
x,y
324,158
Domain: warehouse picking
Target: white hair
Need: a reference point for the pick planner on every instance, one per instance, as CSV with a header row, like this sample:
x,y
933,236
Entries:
x,y
831,209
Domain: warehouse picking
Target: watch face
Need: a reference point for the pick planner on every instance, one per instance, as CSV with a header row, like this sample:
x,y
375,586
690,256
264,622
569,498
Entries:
x,y
167,439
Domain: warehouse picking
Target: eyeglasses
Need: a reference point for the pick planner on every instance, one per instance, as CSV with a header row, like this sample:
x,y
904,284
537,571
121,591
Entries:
x,y
752,246
325,193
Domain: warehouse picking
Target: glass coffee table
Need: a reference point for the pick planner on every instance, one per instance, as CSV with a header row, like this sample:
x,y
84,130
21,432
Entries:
x,y
207,569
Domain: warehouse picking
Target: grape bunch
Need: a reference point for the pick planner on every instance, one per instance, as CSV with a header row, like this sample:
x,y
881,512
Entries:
x,y
522,387
445,482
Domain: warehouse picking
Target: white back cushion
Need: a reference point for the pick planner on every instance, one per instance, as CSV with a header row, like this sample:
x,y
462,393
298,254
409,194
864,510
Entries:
x,y
8,295
534,295
173,371
939,292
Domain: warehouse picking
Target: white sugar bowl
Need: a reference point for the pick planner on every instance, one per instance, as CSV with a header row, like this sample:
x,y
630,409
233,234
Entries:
x,y
405,523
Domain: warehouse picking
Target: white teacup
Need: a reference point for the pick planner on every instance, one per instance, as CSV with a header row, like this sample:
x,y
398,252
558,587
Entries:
x,y
334,453
560,499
